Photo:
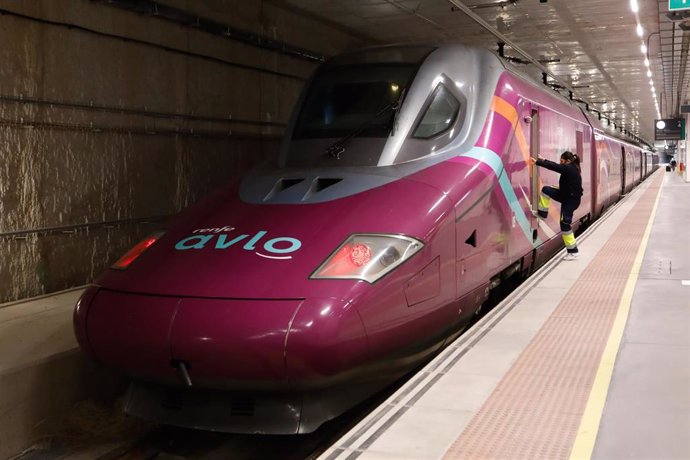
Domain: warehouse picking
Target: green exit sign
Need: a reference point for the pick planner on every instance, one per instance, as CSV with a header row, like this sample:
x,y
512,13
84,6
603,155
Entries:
x,y
675,5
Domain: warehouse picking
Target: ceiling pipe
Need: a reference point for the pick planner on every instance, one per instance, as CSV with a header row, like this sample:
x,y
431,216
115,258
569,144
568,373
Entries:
x,y
499,4
465,9
459,6
662,70
673,66
681,73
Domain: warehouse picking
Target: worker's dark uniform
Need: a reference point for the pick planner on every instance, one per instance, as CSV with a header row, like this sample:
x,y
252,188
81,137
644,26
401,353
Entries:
x,y
568,193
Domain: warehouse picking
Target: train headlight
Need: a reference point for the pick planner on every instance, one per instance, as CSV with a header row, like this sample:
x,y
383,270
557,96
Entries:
x,y
367,257
136,251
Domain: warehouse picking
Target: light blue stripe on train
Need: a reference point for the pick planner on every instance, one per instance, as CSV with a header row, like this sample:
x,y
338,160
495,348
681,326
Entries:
x,y
494,161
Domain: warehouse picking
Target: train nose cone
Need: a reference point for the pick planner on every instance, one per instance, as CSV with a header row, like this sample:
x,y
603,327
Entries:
x,y
233,342
267,344
326,341
224,343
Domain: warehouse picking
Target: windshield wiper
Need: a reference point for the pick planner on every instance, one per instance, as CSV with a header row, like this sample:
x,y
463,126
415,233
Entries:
x,y
338,147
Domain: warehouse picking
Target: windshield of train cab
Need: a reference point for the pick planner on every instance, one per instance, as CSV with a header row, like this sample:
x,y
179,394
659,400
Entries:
x,y
346,104
343,99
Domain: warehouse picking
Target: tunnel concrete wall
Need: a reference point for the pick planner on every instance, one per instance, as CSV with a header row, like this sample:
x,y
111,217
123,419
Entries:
x,y
111,120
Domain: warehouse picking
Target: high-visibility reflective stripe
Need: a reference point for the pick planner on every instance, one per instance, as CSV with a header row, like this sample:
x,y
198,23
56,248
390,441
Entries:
x,y
544,202
569,240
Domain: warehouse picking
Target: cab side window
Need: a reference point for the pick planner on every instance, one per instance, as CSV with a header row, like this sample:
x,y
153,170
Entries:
x,y
439,116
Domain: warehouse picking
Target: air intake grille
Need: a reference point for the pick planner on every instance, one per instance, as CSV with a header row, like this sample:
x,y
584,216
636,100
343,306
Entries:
x,y
242,407
282,184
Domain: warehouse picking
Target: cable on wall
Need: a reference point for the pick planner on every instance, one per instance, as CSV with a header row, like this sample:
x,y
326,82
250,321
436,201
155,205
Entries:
x,y
206,57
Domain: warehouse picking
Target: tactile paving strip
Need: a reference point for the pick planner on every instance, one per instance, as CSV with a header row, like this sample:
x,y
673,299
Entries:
x,y
535,411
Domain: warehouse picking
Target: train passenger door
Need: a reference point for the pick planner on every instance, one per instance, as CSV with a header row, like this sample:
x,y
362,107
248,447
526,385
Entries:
x,y
534,153
585,167
579,145
595,173
623,167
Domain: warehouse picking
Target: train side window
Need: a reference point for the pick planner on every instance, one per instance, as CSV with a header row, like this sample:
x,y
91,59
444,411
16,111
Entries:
x,y
439,115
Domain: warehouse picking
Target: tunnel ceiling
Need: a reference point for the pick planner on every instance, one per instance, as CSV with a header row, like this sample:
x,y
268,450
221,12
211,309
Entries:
x,y
592,46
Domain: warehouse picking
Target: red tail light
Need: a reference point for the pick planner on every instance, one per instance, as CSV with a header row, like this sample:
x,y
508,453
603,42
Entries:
x,y
136,251
360,254
367,256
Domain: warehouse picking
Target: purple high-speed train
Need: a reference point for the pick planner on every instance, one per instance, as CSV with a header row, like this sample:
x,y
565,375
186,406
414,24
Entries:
x,y
402,196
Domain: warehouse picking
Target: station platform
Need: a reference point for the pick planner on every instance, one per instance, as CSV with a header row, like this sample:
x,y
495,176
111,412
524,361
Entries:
x,y
42,371
586,359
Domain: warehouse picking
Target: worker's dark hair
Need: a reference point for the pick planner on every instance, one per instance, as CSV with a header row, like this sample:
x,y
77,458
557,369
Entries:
x,y
570,157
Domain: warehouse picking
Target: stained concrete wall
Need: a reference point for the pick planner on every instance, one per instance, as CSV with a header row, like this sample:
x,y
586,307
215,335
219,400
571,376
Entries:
x,y
95,128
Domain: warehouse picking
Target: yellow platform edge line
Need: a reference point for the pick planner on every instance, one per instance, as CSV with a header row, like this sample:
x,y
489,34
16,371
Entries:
x,y
591,418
